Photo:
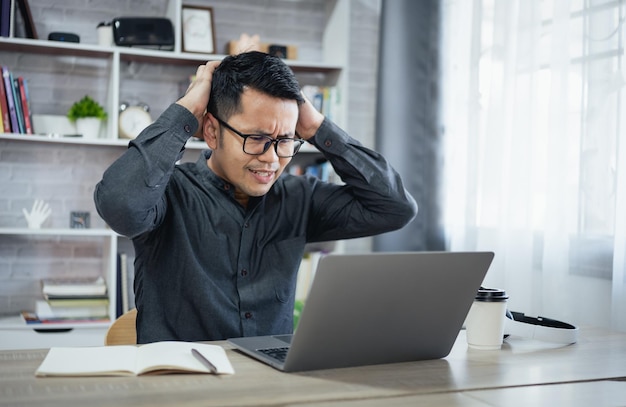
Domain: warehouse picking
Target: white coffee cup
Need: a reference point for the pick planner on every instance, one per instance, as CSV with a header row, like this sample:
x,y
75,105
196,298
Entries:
x,y
484,324
105,34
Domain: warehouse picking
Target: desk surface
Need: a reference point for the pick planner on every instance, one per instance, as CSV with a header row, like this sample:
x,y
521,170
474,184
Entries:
x,y
466,377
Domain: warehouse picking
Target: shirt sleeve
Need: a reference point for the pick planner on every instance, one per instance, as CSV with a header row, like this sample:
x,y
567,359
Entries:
x,y
130,196
372,200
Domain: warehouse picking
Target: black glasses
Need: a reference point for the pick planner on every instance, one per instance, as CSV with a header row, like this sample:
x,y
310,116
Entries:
x,y
257,144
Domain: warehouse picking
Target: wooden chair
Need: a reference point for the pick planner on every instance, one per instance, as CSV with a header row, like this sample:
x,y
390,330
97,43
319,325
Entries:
x,y
123,330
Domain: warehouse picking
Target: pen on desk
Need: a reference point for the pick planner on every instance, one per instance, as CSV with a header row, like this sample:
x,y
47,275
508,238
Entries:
x,y
206,362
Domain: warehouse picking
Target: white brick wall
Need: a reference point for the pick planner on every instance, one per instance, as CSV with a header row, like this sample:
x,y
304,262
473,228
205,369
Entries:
x,y
65,175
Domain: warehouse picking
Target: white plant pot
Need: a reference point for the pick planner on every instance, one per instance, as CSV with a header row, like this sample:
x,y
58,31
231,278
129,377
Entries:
x,y
89,127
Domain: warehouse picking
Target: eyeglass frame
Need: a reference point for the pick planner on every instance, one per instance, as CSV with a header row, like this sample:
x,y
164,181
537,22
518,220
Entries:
x,y
298,141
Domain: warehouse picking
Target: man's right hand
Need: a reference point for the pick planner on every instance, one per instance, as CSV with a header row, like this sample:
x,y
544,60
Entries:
x,y
196,97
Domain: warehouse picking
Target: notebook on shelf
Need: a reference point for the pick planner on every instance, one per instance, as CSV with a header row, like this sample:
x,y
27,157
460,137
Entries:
x,y
366,309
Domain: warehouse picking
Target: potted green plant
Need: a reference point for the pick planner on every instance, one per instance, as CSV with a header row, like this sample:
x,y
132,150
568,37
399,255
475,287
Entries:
x,y
87,114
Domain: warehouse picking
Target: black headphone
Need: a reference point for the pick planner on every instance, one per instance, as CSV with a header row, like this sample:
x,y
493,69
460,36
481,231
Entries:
x,y
540,328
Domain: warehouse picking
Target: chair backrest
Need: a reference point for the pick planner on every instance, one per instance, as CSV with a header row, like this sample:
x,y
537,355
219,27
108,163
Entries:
x,y
123,330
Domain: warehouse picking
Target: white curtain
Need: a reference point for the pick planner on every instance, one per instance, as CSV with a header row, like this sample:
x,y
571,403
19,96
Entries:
x,y
535,151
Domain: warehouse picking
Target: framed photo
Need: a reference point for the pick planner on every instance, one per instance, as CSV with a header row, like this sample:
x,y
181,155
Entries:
x,y
79,220
198,29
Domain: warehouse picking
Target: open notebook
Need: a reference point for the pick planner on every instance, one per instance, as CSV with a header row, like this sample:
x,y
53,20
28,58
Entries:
x,y
377,308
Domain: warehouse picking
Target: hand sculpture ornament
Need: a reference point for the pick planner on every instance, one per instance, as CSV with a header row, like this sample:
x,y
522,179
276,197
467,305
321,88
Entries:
x,y
38,214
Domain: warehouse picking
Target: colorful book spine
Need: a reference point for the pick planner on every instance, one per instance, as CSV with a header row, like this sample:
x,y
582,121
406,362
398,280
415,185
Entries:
x,y
5,18
8,86
18,104
23,88
4,108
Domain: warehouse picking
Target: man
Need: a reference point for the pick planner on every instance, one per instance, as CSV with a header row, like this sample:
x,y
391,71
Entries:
x,y
218,242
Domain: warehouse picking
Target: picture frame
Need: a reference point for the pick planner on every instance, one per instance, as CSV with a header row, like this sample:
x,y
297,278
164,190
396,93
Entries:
x,y
79,220
198,30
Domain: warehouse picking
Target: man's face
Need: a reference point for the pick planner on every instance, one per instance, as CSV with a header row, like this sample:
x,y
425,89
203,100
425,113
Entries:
x,y
252,175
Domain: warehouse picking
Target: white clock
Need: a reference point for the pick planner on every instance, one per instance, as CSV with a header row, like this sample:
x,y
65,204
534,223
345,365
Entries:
x,y
132,120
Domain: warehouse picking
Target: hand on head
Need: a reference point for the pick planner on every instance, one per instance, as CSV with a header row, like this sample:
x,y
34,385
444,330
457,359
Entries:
x,y
196,97
309,119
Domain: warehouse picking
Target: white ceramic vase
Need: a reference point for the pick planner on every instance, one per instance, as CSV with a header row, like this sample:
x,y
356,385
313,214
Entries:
x,y
89,127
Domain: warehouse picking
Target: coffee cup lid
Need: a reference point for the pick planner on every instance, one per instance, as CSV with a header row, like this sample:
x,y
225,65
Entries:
x,y
491,295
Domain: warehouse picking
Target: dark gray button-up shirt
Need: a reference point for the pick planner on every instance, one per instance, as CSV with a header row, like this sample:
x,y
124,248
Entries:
x,y
208,269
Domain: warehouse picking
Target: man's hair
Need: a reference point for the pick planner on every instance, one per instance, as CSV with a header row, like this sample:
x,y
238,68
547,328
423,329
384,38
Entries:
x,y
257,70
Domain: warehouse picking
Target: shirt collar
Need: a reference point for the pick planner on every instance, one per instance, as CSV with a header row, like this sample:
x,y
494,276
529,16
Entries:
x,y
208,175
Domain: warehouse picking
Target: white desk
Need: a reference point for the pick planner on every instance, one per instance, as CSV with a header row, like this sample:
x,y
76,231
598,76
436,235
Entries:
x,y
524,372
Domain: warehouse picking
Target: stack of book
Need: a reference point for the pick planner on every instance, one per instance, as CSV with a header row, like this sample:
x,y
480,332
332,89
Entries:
x,y
16,116
16,19
71,300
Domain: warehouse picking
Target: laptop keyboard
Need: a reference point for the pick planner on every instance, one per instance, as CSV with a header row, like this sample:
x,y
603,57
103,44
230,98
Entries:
x,y
276,353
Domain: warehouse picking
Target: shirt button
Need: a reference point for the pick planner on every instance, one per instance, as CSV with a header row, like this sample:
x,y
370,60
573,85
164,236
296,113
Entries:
x,y
226,187
187,128
248,315
246,225
328,143
244,272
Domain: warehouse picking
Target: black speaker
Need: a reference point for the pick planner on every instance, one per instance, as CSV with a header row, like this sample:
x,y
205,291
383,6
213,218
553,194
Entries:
x,y
66,37
145,32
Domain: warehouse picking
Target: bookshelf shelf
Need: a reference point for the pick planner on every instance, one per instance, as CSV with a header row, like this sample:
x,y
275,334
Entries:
x,y
42,47
191,144
17,323
16,334
30,46
102,243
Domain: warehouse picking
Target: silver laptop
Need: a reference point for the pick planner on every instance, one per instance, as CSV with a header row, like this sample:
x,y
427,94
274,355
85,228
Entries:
x,y
366,309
